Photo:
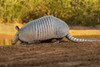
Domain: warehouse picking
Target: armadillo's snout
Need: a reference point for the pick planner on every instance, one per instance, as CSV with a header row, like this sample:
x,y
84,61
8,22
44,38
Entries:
x,y
15,39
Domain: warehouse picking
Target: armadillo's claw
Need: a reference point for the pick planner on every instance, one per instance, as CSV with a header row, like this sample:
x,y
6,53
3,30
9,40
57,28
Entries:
x,y
57,41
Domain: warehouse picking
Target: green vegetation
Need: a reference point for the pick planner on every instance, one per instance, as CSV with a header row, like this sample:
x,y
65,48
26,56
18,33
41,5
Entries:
x,y
74,12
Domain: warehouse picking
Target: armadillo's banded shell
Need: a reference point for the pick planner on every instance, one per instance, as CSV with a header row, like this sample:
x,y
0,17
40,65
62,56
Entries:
x,y
43,28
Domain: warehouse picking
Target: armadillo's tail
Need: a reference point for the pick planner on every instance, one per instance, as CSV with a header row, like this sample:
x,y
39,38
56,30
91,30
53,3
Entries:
x,y
79,40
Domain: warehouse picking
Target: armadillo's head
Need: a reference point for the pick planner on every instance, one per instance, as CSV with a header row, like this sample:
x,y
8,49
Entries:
x,y
16,37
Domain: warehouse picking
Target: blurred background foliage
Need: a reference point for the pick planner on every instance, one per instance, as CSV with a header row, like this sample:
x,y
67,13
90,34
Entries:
x,y
74,12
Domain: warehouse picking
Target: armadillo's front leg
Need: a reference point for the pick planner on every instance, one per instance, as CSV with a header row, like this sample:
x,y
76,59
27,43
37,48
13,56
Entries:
x,y
35,42
31,42
23,43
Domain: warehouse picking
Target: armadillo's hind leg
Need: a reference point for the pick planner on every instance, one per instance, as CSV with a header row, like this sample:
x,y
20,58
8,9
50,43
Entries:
x,y
58,40
53,40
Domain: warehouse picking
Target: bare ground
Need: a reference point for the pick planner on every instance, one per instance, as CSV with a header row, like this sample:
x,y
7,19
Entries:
x,y
65,54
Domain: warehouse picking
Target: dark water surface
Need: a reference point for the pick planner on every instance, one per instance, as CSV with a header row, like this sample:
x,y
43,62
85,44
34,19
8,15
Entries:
x,y
5,41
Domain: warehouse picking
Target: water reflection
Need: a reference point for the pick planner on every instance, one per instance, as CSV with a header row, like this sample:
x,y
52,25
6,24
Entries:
x,y
5,41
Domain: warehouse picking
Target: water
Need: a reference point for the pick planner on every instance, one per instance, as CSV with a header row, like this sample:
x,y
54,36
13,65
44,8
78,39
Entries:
x,y
5,41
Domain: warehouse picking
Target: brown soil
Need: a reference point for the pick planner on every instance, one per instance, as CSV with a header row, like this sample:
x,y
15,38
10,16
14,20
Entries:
x,y
65,54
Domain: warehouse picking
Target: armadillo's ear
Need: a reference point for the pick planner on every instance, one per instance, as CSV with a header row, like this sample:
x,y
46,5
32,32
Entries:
x,y
17,28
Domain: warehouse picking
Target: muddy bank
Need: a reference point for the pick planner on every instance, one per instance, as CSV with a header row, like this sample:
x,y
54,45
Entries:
x,y
65,54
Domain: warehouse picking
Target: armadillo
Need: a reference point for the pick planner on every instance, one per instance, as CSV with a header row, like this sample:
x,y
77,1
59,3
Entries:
x,y
44,28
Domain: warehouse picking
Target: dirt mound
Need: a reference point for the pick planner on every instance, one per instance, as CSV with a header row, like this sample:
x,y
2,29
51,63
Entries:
x,y
65,54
